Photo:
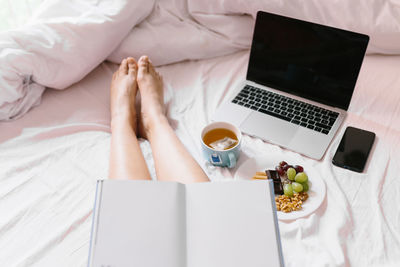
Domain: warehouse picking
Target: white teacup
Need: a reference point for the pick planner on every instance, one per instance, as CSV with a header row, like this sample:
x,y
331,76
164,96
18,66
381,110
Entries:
x,y
222,157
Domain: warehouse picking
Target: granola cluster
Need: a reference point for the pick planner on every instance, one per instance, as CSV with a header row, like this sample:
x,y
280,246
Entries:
x,y
287,204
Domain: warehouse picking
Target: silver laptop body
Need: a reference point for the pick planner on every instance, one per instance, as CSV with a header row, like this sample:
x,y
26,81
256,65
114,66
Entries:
x,y
309,135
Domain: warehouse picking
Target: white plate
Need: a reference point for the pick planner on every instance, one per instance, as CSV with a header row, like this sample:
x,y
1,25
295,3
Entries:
x,y
316,192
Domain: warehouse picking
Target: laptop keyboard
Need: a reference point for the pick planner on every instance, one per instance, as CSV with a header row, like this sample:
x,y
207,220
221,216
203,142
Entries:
x,y
288,109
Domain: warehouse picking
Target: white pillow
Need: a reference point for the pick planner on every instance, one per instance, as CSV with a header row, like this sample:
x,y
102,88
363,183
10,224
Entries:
x,y
171,34
195,29
376,18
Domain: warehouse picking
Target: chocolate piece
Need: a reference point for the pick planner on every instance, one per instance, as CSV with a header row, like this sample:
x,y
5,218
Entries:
x,y
274,175
278,188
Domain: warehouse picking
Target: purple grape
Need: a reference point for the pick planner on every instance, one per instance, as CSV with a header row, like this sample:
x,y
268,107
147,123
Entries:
x,y
298,168
282,163
286,167
280,170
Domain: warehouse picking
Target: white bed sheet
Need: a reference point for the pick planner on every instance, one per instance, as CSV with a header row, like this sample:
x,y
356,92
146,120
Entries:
x,y
51,158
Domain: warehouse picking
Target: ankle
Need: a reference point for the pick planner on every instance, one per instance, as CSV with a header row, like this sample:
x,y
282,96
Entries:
x,y
152,122
122,119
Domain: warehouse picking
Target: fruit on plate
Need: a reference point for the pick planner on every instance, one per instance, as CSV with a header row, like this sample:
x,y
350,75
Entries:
x,y
301,177
305,187
288,190
297,187
282,163
290,185
298,168
280,170
291,173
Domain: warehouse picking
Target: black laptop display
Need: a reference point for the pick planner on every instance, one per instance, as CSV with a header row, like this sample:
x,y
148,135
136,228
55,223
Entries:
x,y
309,60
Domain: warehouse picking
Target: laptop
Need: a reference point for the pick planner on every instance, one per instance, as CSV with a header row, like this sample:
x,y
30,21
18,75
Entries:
x,y
300,80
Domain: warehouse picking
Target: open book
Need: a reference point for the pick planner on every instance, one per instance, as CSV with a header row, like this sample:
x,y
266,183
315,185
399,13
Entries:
x,y
167,224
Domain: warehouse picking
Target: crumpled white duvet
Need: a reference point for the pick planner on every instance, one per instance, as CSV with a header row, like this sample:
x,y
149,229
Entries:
x,y
61,44
66,39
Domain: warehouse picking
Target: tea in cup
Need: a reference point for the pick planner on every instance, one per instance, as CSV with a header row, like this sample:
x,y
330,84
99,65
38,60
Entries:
x,y
221,143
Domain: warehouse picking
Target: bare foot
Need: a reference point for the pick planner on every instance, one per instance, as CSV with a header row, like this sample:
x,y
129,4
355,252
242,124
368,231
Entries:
x,y
152,96
123,93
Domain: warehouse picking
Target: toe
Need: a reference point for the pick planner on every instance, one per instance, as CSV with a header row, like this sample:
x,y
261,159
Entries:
x,y
123,68
151,67
132,66
144,58
144,64
131,60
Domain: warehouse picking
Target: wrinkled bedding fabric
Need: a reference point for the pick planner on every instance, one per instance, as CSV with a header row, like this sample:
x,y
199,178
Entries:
x,y
51,158
65,40
61,44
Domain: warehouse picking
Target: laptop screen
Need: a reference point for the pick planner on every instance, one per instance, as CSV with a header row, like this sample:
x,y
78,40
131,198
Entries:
x,y
309,60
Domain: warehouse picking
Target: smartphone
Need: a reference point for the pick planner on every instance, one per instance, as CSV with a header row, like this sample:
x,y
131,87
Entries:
x,y
354,148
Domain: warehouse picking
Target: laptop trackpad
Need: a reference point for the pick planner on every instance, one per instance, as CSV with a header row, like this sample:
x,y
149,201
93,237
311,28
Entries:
x,y
269,128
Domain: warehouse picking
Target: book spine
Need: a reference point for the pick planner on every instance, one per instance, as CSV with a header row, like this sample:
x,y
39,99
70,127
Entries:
x,y
95,219
277,233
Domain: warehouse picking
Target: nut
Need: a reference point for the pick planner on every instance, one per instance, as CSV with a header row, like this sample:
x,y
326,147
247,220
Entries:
x,y
288,204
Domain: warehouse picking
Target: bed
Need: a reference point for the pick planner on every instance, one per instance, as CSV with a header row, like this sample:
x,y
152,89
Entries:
x,y
52,154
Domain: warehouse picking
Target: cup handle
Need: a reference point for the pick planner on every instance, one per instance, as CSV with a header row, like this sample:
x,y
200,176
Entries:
x,y
232,160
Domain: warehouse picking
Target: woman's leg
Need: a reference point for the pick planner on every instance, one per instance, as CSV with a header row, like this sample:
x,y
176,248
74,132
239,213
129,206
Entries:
x,y
172,161
126,158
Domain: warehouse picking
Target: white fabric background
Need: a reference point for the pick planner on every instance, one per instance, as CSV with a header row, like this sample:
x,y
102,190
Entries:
x,y
51,158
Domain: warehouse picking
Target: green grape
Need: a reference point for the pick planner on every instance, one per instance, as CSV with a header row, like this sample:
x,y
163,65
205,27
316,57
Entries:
x,y
291,173
301,177
305,186
297,187
288,190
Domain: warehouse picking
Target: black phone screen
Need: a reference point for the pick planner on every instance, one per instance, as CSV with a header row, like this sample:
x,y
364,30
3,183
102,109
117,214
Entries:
x,y
353,150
